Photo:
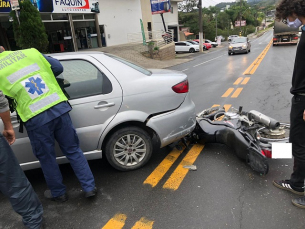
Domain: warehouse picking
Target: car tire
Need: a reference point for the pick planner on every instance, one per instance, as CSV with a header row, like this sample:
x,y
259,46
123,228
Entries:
x,y
192,50
229,53
117,148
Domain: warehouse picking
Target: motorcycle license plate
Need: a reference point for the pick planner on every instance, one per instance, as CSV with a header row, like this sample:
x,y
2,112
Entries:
x,y
281,150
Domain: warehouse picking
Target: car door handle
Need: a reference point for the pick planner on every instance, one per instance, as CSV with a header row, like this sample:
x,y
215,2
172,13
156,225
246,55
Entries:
x,y
104,105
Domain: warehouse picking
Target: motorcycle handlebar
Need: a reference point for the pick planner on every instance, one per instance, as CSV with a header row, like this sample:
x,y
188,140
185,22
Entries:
x,y
264,119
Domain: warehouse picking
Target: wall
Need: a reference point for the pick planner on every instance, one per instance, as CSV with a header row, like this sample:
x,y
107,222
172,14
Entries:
x,y
120,17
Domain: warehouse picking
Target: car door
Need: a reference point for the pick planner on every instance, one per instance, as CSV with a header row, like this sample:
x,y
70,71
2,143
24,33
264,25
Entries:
x,y
180,46
94,94
95,97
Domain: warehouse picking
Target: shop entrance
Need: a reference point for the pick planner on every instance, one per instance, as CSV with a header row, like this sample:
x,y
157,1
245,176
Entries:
x,y
81,38
85,33
59,36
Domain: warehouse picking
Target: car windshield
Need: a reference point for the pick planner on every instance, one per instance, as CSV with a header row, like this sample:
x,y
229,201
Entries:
x,y
132,65
239,40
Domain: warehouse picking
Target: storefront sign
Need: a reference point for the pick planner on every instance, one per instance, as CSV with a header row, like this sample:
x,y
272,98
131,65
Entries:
x,y
160,6
5,6
14,4
76,6
55,6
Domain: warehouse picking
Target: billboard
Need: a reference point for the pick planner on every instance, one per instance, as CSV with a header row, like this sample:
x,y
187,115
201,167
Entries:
x,y
160,6
240,23
58,6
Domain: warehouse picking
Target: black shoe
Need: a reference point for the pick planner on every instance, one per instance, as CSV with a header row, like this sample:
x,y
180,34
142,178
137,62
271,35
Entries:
x,y
61,199
91,193
285,185
299,202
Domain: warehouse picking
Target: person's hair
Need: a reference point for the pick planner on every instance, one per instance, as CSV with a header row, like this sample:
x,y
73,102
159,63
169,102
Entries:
x,y
287,8
2,49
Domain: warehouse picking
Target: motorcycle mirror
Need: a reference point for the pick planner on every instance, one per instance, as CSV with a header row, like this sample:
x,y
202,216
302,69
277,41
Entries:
x,y
240,109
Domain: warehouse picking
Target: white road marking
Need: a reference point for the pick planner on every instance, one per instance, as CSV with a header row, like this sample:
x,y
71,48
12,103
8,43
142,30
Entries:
x,y
208,61
184,70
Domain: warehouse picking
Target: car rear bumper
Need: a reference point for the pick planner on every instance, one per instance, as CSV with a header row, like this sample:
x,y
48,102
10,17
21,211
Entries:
x,y
176,124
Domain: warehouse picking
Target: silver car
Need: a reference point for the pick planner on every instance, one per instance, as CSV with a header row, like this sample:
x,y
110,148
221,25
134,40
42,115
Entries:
x,y
239,45
119,108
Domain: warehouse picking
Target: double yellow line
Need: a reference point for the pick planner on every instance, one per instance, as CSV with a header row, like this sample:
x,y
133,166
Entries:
x,y
176,178
118,222
252,68
250,71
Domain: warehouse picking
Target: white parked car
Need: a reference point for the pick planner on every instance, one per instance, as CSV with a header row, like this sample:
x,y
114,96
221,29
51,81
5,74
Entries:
x,y
184,46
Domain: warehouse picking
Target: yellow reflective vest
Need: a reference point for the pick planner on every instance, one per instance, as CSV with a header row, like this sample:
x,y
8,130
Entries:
x,y
26,76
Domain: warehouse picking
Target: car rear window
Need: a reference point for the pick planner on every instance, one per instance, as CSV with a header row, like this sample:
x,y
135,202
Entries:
x,y
132,65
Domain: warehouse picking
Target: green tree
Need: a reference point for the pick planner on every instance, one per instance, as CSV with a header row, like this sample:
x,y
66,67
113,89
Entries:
x,y
30,33
187,5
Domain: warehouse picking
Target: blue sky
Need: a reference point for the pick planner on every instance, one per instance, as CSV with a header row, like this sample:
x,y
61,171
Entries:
x,y
207,3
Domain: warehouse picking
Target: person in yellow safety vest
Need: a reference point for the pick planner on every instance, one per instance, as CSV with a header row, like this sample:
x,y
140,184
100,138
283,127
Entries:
x,y
28,77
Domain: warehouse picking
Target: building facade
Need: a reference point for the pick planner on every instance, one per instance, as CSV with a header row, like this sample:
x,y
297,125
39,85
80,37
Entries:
x,y
83,24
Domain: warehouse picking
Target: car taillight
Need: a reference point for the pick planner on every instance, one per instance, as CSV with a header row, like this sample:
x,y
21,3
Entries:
x,y
295,38
275,39
182,87
267,153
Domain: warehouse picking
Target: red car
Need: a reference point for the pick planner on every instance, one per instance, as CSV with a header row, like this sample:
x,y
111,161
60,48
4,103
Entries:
x,y
207,45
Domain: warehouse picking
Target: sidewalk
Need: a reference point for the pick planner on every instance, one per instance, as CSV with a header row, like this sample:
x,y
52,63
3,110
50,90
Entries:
x,y
129,52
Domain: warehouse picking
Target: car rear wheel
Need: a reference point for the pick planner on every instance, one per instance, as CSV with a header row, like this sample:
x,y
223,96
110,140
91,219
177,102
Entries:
x,y
192,50
129,148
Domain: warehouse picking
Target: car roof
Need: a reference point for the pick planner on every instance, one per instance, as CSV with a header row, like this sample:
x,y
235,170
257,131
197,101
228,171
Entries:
x,y
73,53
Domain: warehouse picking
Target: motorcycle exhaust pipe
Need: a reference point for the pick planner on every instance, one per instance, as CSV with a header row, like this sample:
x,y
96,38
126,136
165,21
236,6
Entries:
x,y
264,119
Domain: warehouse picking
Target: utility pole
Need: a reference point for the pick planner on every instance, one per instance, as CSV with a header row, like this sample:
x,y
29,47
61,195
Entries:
x,y
216,26
200,26
240,19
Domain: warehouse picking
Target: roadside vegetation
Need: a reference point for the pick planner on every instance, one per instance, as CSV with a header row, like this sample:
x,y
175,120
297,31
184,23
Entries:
x,y
255,14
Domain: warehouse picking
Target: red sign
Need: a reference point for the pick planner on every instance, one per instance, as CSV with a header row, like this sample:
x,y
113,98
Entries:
x,y
14,4
240,23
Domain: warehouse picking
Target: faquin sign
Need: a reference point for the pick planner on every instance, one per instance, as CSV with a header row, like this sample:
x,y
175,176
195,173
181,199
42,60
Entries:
x,y
160,6
76,6
58,6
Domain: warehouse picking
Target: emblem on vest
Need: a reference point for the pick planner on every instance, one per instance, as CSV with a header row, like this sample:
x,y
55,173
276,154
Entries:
x,y
35,86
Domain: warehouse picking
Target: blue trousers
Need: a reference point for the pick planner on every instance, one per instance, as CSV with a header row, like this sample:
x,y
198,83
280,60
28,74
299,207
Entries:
x,y
43,141
15,185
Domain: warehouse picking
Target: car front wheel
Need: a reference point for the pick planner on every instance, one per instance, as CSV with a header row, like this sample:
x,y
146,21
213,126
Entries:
x,y
192,50
129,148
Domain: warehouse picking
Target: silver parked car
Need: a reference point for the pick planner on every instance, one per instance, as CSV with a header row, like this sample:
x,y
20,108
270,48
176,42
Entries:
x,y
239,45
119,108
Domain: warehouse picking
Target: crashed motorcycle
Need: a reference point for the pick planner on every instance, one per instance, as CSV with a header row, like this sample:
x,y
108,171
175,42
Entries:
x,y
249,134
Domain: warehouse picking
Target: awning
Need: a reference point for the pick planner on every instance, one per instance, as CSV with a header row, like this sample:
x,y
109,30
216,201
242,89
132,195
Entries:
x,y
188,33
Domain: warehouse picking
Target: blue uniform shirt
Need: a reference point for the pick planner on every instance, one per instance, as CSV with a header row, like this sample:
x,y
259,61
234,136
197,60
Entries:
x,y
53,112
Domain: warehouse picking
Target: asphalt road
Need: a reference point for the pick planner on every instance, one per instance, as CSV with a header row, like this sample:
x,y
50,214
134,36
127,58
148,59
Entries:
x,y
222,193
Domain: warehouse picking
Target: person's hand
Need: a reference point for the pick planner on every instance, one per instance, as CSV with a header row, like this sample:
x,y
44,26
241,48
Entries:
x,y
9,135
